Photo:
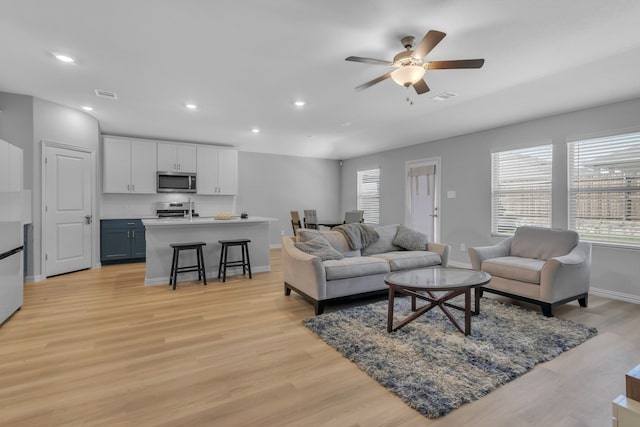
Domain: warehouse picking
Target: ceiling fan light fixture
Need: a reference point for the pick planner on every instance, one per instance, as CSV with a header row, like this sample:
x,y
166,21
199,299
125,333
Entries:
x,y
407,75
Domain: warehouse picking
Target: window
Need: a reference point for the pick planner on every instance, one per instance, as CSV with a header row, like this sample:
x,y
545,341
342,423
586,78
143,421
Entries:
x,y
521,188
369,195
604,188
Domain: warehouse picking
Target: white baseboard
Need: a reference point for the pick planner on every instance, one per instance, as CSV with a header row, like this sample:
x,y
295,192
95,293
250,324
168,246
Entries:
x,y
615,295
457,264
277,246
33,279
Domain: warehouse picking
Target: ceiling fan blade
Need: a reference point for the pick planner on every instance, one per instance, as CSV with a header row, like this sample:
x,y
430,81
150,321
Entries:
x,y
421,87
430,40
369,60
461,63
374,81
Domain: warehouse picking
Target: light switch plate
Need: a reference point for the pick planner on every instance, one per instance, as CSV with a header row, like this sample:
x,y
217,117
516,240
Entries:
x,y
451,194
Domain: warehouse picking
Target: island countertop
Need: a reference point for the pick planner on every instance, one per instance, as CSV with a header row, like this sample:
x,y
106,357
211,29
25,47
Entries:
x,y
201,220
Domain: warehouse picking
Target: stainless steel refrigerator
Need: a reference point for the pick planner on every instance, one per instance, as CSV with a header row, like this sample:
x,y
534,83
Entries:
x,y
11,235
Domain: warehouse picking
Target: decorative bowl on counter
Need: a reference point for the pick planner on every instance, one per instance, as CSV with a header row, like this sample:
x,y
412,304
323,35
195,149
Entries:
x,y
223,216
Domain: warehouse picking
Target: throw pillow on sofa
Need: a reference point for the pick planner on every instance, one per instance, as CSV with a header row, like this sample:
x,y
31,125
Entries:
x,y
319,247
410,239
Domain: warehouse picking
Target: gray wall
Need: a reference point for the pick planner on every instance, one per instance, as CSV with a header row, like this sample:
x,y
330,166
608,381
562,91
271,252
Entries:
x,y
272,185
466,167
26,122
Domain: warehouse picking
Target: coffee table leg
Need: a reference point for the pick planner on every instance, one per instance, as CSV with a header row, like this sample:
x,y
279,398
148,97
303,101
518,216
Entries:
x,y
467,311
392,295
476,294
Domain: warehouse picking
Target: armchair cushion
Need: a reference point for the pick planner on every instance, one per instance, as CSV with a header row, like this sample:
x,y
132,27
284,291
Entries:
x,y
515,268
542,243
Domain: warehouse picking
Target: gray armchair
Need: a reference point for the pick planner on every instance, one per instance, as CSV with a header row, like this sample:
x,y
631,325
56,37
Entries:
x,y
543,266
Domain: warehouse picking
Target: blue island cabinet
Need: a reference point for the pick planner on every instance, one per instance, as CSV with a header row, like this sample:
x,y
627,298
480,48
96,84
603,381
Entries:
x,y
122,240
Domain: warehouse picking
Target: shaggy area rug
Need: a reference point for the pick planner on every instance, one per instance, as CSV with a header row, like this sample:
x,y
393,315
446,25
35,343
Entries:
x,y
434,368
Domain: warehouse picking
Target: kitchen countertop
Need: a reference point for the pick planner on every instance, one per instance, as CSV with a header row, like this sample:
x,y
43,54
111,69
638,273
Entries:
x,y
203,220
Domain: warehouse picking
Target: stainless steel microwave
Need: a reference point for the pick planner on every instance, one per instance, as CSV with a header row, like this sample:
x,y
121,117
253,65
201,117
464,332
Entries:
x,y
176,182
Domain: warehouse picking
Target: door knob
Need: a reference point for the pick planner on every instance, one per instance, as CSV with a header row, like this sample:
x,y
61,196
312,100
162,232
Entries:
x,y
88,218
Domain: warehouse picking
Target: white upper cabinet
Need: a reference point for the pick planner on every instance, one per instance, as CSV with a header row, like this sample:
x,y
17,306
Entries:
x,y
129,166
174,157
217,171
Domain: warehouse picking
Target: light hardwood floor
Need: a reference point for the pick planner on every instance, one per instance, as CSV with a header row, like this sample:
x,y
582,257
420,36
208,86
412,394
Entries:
x,y
98,348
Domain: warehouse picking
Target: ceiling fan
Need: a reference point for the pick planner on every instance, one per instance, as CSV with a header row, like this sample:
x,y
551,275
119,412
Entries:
x,y
410,65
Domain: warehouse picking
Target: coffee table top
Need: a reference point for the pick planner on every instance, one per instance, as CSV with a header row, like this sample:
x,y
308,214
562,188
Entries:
x,y
437,278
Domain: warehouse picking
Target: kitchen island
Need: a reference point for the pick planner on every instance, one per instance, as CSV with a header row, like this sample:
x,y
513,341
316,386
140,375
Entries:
x,y
161,232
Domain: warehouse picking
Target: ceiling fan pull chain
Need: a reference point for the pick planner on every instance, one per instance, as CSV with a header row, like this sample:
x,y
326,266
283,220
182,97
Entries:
x,y
408,98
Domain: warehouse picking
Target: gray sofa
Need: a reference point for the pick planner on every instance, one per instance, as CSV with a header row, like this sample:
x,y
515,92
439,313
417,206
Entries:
x,y
360,272
543,266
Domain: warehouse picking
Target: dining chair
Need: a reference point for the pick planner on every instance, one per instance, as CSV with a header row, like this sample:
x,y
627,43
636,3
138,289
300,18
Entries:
x,y
295,221
310,219
353,216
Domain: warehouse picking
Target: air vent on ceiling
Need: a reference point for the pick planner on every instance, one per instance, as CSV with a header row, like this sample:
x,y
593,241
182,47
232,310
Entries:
x,y
105,94
444,96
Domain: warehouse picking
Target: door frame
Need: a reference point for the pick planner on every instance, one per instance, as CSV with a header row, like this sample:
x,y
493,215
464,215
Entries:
x,y
43,199
435,161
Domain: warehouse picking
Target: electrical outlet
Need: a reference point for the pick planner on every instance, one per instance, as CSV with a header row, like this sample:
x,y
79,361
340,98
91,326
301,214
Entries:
x,y
282,232
463,247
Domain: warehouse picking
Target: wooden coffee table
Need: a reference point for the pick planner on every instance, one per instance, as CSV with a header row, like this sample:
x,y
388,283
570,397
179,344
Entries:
x,y
424,283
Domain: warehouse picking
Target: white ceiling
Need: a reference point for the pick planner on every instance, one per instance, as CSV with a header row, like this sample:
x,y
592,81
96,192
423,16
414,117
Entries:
x,y
245,62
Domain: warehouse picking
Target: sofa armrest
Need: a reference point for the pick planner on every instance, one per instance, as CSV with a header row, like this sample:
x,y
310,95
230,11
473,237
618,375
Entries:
x,y
303,271
478,254
566,276
441,249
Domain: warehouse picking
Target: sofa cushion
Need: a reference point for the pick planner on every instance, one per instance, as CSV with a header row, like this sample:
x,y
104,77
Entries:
x,y
404,260
410,239
385,241
319,247
355,267
335,238
542,243
515,268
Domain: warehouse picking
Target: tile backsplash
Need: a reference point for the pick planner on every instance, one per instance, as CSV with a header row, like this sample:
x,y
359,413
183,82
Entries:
x,y
115,206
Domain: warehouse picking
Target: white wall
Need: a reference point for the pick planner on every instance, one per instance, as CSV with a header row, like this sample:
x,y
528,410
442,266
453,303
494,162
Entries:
x,y
272,185
466,167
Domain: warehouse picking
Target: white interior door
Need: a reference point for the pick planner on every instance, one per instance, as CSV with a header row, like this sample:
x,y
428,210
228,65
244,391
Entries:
x,y
67,210
423,197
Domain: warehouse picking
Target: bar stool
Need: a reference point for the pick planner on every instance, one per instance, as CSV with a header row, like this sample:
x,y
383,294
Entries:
x,y
224,262
175,269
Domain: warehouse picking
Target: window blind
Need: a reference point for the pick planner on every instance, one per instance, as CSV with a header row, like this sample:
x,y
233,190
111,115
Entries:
x,y
369,195
521,188
604,188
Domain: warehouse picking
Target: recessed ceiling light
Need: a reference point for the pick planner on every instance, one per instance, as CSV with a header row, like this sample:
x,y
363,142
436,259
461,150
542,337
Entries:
x,y
64,58
87,108
105,94
191,106
299,103
255,130
444,96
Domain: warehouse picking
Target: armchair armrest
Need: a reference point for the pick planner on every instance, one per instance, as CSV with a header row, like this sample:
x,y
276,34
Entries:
x,y
566,276
441,249
478,254
303,271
